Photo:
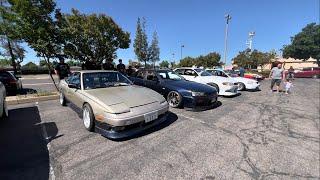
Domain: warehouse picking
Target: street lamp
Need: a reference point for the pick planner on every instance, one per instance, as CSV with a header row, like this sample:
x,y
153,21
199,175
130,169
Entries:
x,y
182,46
228,18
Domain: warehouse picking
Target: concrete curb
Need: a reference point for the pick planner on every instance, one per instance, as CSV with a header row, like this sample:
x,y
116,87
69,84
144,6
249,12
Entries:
x,y
29,99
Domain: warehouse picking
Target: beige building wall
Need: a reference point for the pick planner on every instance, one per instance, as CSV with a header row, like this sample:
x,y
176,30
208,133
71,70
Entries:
x,y
295,63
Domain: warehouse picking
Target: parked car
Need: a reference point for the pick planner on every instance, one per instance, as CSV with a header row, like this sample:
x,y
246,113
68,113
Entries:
x,y
111,104
177,91
224,85
311,72
3,104
11,82
243,83
253,76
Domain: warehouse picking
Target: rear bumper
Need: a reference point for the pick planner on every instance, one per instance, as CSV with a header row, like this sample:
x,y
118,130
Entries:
x,y
105,130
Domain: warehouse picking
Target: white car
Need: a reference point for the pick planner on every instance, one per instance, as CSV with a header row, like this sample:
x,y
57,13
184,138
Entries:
x,y
3,104
243,83
225,86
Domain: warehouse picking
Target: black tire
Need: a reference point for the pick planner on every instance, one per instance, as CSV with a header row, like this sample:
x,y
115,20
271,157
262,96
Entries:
x,y
62,99
174,99
90,126
241,87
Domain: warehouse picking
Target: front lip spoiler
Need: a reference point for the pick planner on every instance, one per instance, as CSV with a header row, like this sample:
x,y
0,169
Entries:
x,y
118,135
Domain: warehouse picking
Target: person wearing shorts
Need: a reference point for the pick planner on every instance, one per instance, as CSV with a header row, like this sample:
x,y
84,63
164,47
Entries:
x,y
276,76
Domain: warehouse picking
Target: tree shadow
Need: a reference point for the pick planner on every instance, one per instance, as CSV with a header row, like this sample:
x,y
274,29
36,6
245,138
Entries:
x,y
25,91
236,95
206,108
24,153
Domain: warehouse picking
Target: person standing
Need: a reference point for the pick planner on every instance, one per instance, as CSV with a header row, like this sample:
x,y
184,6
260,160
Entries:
x,y
121,67
241,72
276,76
108,65
291,73
62,69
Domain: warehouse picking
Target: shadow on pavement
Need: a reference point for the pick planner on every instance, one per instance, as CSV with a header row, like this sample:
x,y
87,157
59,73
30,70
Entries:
x,y
23,149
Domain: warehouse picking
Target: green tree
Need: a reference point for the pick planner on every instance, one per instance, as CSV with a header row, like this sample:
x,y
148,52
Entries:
x,y
92,37
30,66
10,35
187,62
305,44
37,26
253,59
164,64
4,62
141,42
154,50
208,61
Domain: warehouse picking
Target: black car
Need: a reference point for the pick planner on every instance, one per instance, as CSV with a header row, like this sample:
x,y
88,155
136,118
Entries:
x,y
11,82
178,91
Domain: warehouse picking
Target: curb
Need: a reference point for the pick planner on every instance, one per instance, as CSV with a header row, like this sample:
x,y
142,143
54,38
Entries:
x,y
22,100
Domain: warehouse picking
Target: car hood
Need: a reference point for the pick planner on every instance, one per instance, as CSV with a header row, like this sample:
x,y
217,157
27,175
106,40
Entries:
x,y
121,99
189,85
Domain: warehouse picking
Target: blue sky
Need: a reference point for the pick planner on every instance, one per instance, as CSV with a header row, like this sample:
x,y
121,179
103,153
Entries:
x,y
200,24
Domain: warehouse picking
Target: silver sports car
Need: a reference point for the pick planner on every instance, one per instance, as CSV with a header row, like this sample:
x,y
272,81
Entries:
x,y
111,104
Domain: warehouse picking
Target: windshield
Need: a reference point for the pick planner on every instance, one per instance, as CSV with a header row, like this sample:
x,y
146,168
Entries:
x,y
170,75
104,79
205,73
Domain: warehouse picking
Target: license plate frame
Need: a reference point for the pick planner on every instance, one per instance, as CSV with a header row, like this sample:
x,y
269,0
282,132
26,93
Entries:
x,y
150,117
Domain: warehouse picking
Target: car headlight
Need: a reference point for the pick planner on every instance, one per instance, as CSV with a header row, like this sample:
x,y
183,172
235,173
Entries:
x,y
228,83
197,93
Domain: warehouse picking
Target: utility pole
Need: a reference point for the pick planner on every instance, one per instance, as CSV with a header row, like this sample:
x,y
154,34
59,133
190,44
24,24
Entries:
x,y
182,46
250,39
228,18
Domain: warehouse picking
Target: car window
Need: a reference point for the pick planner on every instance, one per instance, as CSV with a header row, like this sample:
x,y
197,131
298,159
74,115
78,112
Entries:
x,y
205,73
306,69
75,79
104,80
170,75
180,71
5,75
151,76
140,74
190,72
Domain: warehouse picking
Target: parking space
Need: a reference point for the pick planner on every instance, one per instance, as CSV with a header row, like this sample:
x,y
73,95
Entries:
x,y
257,135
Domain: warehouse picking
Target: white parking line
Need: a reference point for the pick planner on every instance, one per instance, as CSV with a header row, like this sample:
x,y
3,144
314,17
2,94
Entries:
x,y
47,139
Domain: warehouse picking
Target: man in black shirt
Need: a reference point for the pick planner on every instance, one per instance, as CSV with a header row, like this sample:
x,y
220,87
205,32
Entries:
x,y
108,65
121,67
90,65
62,69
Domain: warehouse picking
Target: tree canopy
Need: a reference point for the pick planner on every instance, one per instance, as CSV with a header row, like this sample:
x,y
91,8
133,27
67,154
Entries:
x,y
164,64
154,50
305,44
141,42
92,37
207,61
248,59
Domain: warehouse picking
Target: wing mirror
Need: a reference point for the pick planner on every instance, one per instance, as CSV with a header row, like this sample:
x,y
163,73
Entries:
x,y
74,86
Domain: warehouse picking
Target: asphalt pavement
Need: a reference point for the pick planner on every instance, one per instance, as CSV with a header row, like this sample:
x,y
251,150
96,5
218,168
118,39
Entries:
x,y
39,83
257,135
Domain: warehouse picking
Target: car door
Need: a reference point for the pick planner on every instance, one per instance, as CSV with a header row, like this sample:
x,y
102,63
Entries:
x,y
73,93
152,81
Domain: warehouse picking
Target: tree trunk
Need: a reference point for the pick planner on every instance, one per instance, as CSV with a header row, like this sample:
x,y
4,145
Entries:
x,y
145,64
13,61
50,74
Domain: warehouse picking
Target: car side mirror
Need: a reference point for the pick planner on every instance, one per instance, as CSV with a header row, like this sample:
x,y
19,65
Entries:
x,y
74,86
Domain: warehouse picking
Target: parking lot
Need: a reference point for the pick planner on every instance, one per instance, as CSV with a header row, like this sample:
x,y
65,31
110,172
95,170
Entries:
x,y
257,135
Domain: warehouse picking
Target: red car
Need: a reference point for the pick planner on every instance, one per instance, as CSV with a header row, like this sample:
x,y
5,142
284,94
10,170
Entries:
x,y
312,72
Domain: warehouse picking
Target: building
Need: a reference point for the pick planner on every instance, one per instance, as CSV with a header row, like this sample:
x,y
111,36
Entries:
x,y
287,63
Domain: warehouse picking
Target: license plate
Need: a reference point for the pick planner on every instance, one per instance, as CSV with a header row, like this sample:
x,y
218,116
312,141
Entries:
x,y
150,117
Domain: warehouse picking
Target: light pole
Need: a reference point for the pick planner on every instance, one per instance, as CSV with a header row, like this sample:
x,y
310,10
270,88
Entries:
x,y
228,18
182,46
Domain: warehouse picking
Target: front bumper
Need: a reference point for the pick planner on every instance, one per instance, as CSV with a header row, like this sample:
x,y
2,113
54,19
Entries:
x,y
199,101
253,86
107,131
229,91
